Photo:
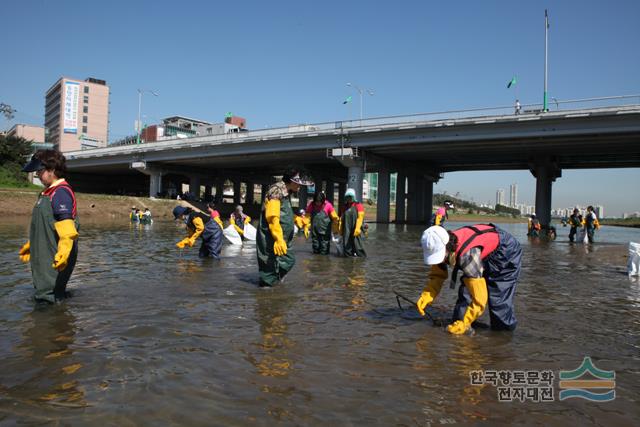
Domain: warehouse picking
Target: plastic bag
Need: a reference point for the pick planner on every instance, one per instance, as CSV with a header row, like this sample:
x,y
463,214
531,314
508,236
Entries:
x,y
250,232
633,264
232,235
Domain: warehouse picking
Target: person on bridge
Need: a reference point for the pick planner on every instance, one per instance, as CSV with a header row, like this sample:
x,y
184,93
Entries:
x,y
321,218
238,219
441,215
575,221
201,225
52,248
351,222
591,223
490,260
275,229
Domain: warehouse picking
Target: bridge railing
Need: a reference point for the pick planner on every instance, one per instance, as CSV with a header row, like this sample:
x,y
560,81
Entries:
x,y
555,106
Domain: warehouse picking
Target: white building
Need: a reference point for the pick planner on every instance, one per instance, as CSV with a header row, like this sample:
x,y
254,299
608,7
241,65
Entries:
x,y
500,197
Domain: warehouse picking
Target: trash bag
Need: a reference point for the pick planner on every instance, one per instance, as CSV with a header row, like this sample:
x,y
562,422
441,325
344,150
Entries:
x,y
633,265
250,232
232,235
337,241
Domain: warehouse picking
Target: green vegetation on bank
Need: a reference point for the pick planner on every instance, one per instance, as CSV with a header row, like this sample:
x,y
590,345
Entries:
x,y
627,222
14,152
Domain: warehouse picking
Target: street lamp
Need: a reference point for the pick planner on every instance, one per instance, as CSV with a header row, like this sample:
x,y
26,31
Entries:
x,y
361,91
140,92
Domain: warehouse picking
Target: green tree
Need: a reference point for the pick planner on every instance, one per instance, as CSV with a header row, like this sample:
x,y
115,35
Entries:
x,y
14,152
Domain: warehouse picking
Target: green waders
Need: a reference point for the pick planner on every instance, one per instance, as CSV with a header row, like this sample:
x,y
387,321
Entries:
x,y
320,232
352,245
273,268
49,283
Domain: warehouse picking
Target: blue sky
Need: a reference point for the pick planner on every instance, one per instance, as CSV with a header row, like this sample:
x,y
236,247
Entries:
x,y
284,62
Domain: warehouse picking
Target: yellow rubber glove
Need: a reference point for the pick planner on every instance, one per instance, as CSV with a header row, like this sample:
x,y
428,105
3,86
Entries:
x,y
358,229
184,242
478,289
67,233
272,214
25,252
199,225
247,220
596,224
438,219
437,276
238,229
307,224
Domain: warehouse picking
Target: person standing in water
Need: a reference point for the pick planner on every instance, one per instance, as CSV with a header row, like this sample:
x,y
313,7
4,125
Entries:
x,y
441,214
52,248
591,223
575,221
351,222
321,218
275,229
201,225
239,219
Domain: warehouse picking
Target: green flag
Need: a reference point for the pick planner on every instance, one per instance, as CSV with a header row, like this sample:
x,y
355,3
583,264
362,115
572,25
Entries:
x,y
512,82
346,101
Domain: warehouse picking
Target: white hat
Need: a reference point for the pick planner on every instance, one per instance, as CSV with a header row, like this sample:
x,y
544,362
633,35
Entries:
x,y
434,241
350,193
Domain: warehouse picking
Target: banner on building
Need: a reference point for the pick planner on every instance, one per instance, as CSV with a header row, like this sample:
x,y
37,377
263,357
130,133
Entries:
x,y
71,95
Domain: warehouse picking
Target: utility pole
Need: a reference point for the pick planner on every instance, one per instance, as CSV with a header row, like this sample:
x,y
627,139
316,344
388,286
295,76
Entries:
x,y
545,107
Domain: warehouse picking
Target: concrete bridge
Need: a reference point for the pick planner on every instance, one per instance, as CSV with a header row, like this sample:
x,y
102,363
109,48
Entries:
x,y
420,148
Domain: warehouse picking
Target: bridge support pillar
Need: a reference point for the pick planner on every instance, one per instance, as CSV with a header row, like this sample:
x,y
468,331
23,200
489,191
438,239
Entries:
x,y
263,192
427,201
303,195
236,192
219,190
412,202
342,187
330,192
546,173
155,183
207,192
384,182
194,186
249,196
401,198
354,180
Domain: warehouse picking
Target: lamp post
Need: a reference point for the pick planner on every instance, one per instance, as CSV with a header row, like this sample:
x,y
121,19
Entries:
x,y
545,107
139,126
361,92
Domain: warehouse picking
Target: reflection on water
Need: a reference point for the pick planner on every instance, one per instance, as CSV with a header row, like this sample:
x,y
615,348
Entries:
x,y
154,335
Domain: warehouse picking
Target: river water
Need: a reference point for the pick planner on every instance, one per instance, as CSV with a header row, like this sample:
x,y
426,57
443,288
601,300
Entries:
x,y
153,336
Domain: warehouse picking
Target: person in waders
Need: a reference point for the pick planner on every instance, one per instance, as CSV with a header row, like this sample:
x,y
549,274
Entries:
x,y
52,248
490,260
351,222
275,229
321,218
239,219
200,225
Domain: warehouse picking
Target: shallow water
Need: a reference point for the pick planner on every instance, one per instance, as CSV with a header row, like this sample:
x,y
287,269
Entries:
x,y
157,337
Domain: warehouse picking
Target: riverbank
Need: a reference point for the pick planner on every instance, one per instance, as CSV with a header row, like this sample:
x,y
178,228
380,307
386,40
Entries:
x,y
628,222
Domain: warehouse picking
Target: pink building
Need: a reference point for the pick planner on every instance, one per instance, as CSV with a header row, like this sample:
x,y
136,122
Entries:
x,y
28,132
77,114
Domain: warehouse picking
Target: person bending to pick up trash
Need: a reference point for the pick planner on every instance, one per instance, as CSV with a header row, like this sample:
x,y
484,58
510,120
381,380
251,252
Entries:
x,y
275,229
489,259
238,219
52,248
321,218
200,225
441,215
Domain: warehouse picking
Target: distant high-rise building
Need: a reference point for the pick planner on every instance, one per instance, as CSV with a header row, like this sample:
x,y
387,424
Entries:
x,y
500,197
77,114
599,209
513,195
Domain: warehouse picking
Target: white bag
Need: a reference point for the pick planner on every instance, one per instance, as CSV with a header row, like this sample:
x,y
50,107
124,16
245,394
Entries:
x,y
232,235
337,240
633,265
250,232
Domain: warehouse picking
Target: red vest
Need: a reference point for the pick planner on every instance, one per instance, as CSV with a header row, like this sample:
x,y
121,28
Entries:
x,y
52,190
479,235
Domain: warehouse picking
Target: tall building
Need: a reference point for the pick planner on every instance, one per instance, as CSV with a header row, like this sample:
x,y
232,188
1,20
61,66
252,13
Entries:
x,y
513,195
500,197
77,114
32,133
599,209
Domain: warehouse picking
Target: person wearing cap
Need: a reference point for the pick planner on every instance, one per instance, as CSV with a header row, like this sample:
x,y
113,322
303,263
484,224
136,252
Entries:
x,y
490,260
321,218
300,221
441,214
134,216
351,222
52,248
202,225
275,229
238,219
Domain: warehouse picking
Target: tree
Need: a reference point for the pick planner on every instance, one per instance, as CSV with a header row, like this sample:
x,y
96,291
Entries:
x,y
6,110
14,152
